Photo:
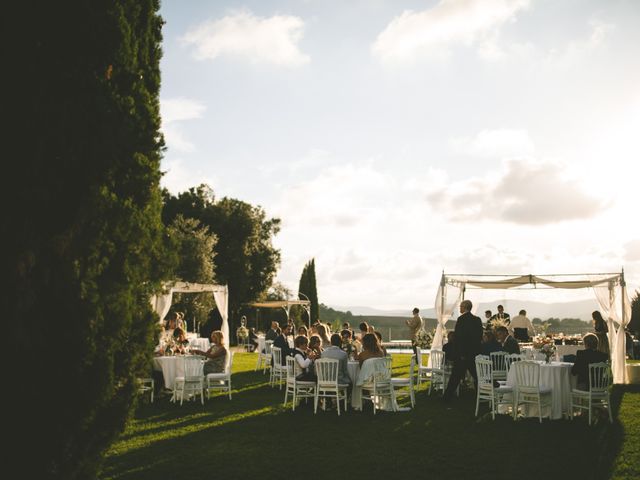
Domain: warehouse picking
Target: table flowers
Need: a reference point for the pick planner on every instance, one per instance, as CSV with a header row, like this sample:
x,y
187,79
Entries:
x,y
422,339
548,349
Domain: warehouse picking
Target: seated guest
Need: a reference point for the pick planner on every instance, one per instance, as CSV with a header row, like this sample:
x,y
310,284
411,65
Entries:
x,y
586,357
180,339
379,337
489,343
334,351
324,335
272,334
601,329
349,345
315,345
449,348
180,321
347,326
507,342
302,330
313,330
370,348
487,319
282,343
521,327
304,359
216,355
364,329
170,324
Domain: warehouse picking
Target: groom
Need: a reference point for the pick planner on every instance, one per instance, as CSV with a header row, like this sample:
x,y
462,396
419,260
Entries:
x,y
468,335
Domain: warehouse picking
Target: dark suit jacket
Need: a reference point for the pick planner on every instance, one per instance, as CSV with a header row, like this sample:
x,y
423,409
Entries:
x,y
581,366
468,335
282,344
511,345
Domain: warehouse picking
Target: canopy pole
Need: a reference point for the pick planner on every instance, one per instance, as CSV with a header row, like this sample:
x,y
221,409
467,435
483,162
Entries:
x,y
442,295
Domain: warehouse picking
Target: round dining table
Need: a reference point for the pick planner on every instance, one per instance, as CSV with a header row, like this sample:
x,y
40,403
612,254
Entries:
x,y
556,376
170,368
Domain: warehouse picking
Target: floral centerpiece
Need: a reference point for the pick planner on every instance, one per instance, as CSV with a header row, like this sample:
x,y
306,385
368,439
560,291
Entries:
x,y
422,339
351,347
548,349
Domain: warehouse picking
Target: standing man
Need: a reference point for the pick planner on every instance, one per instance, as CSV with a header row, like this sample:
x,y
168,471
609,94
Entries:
x,y
521,327
502,315
415,325
468,335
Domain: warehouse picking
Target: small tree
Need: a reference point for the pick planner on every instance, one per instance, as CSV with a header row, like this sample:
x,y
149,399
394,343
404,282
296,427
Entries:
x,y
194,247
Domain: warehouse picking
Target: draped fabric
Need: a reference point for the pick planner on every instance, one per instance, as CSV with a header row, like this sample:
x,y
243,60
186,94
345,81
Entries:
x,y
162,303
447,299
610,291
221,296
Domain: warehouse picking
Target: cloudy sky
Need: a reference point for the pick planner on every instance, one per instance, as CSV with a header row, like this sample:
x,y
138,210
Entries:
x,y
397,139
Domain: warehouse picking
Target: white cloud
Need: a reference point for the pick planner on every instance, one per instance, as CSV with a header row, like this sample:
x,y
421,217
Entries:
x,y
632,251
524,192
432,32
177,109
173,112
273,40
499,143
581,49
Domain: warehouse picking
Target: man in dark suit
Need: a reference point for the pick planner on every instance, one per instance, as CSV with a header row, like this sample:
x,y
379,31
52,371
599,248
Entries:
x,y
586,357
507,342
468,335
282,343
502,315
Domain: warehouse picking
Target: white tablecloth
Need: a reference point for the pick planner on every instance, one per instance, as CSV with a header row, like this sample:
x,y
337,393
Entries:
x,y
170,368
633,373
353,367
168,365
260,343
557,376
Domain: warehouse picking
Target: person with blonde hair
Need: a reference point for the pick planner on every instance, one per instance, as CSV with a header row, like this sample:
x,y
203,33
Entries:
x,y
216,355
324,336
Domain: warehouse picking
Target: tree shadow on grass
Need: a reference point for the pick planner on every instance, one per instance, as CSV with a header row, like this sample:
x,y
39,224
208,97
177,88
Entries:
x,y
254,435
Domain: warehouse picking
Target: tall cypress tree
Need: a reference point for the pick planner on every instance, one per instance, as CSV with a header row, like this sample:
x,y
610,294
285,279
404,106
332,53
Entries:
x,y
82,231
307,286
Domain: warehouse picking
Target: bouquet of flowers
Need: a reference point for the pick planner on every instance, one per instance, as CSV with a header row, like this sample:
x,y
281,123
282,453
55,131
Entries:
x,y
422,339
242,333
351,348
548,349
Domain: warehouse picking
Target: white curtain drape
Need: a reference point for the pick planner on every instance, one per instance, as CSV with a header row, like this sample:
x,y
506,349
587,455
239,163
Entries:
x,y
447,299
616,309
221,296
162,303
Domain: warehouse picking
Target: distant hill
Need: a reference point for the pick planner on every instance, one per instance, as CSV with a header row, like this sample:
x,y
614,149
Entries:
x,y
577,309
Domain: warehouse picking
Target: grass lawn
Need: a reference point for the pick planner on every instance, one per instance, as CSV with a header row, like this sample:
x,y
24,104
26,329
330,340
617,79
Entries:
x,y
254,435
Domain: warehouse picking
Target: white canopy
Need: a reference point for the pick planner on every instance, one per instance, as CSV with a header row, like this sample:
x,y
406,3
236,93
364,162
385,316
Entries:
x,y
610,290
285,305
162,303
